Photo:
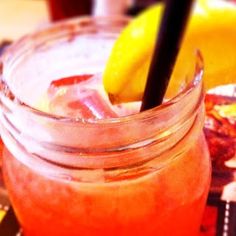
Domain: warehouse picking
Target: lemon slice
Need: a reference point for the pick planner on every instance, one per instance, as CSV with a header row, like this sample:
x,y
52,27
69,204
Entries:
x,y
211,30
127,67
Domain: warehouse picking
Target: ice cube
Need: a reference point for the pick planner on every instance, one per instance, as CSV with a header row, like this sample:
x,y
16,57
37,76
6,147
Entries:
x,y
79,97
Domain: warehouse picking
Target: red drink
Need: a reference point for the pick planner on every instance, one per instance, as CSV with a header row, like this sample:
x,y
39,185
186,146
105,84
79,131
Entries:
x,y
81,167
61,9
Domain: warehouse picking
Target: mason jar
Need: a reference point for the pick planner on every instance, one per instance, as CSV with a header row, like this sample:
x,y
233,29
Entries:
x,y
146,173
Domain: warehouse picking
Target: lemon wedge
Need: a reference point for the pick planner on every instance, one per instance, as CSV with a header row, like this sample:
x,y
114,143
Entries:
x,y
211,29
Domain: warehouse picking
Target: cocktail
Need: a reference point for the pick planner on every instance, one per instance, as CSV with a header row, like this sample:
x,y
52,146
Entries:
x,y
61,9
74,164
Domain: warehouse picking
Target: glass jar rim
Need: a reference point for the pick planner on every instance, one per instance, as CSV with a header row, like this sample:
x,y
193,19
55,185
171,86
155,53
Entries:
x,y
152,123
85,21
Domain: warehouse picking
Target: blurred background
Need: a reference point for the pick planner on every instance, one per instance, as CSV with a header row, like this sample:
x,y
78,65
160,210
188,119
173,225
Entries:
x,y
18,17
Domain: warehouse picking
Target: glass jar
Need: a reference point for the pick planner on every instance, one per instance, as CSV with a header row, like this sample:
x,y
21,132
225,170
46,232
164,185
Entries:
x,y
143,174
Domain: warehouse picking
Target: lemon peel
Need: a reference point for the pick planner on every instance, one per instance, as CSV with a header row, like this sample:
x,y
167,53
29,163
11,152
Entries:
x,y
126,69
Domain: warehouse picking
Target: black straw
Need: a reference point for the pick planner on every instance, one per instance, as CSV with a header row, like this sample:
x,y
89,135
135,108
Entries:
x,y
170,35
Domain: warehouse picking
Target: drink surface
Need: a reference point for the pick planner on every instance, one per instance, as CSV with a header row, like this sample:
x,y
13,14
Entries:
x,y
83,97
